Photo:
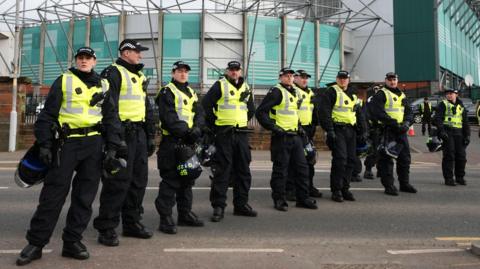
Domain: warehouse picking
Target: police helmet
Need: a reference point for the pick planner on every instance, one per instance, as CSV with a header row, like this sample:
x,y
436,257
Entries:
x,y
113,166
205,154
190,169
434,144
363,149
31,170
392,149
310,153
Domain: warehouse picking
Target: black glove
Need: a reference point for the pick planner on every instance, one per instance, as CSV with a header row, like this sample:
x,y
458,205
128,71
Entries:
x,y
193,135
151,146
331,137
442,135
466,140
277,130
301,132
403,128
45,155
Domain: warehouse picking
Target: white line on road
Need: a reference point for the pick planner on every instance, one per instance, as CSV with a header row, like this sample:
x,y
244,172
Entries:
x,y
14,162
3,188
226,250
17,251
268,188
424,251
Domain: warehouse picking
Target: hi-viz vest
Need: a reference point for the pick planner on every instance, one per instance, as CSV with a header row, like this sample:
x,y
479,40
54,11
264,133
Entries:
x,y
131,101
343,110
305,111
286,113
394,105
230,110
451,119
183,105
422,107
75,109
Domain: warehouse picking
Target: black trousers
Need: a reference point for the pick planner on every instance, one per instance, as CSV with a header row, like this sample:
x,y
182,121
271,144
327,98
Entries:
x,y
454,155
343,157
357,168
372,157
124,193
232,160
290,186
287,154
427,121
84,156
385,162
172,187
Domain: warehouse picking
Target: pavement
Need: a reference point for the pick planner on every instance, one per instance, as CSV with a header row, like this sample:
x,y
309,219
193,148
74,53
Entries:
x,y
434,228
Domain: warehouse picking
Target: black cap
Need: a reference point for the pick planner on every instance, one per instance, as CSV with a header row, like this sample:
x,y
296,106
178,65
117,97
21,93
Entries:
x,y
343,74
131,44
302,73
450,90
180,64
286,70
234,65
391,75
86,51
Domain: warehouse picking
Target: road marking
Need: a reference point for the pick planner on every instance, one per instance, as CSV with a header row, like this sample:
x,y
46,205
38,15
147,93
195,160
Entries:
x,y
8,168
14,162
225,250
3,188
268,188
424,251
457,238
464,244
17,251
465,264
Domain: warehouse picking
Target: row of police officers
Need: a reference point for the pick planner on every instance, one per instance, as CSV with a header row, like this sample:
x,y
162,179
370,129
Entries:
x,y
90,119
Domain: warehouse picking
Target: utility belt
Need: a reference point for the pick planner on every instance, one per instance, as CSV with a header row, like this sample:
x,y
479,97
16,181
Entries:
x,y
67,132
233,129
132,126
342,125
453,130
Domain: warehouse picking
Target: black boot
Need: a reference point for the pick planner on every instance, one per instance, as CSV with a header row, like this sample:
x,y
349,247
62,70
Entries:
x,y
167,225
315,193
461,181
308,203
407,188
368,174
337,196
189,219
450,182
137,230
28,254
218,213
391,190
348,196
244,210
75,250
281,205
108,238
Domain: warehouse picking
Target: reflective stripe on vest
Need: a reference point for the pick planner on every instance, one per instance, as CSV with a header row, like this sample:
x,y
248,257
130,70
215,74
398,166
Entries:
x,y
343,110
286,113
75,109
231,111
305,111
422,106
131,102
394,105
183,105
453,120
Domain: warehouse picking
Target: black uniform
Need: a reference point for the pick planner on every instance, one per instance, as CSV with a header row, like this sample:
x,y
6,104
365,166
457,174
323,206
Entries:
x,y
454,143
286,151
426,118
233,156
82,155
124,192
344,148
172,187
391,130
374,130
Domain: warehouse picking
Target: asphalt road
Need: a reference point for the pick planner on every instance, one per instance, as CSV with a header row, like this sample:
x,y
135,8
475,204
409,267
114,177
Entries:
x,y
431,229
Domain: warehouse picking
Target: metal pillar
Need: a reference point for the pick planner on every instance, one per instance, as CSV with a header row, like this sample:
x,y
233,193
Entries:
x,y
12,141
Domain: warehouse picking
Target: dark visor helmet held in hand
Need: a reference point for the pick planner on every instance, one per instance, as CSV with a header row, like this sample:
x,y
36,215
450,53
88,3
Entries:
x,y
391,148
112,166
205,154
188,164
30,170
434,144
310,153
363,149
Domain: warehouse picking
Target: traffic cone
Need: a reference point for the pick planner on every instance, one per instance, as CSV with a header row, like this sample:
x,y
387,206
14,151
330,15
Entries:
x,y
411,131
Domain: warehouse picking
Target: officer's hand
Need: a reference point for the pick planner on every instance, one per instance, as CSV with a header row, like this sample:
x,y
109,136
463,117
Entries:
x,y
111,153
466,140
277,130
122,150
45,155
403,128
193,135
151,146
301,132
331,137
443,135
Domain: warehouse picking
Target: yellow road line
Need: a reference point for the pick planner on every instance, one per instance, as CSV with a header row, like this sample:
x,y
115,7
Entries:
x,y
457,238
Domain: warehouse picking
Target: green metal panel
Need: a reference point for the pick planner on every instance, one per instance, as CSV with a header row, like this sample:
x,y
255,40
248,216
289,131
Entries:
x,y
305,54
265,61
79,33
181,41
56,55
31,53
415,41
99,43
328,37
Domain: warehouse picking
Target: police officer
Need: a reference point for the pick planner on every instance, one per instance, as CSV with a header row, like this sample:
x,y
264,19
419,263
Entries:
x,y
357,168
426,111
278,113
373,136
453,128
389,106
182,120
74,103
125,191
228,108
341,119
308,115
